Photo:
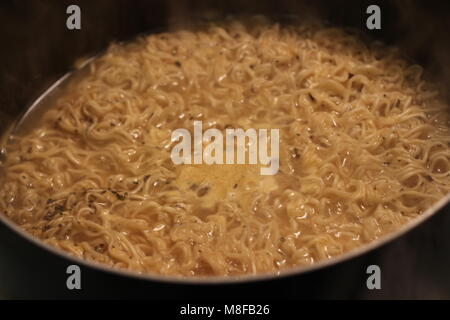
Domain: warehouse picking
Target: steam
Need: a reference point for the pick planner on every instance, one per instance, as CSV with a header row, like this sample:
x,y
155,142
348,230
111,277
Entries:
x,y
417,27
40,48
424,37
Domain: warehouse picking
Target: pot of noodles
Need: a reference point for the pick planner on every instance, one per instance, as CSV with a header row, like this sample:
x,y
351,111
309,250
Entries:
x,y
229,150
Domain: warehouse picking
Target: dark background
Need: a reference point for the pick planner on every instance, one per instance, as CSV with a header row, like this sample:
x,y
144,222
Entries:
x,y
36,48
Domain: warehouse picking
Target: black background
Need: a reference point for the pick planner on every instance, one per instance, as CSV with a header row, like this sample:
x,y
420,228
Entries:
x,y
36,48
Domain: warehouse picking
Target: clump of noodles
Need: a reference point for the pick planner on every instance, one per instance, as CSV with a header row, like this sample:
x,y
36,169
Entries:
x,y
364,149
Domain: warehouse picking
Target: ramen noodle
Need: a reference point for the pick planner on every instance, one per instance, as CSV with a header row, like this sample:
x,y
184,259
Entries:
x,y
364,148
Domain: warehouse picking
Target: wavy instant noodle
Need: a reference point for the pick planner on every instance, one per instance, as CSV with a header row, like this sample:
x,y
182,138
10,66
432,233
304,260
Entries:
x,y
364,148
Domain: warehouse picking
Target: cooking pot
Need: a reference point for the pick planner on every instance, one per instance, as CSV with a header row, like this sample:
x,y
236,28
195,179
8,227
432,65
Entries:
x,y
37,48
